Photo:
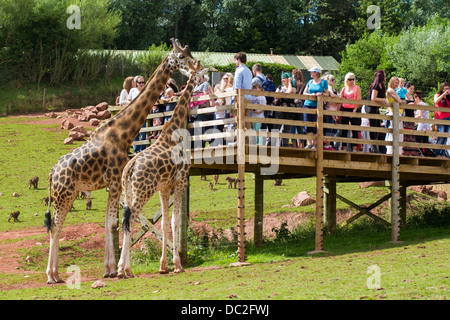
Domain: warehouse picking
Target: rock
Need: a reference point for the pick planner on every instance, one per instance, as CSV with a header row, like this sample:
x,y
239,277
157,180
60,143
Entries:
x,y
102,106
102,115
51,114
368,184
16,195
303,199
80,129
29,259
68,141
66,124
90,115
94,122
77,136
98,284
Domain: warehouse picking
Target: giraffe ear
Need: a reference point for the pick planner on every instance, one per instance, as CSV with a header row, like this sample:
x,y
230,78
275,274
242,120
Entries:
x,y
203,71
184,72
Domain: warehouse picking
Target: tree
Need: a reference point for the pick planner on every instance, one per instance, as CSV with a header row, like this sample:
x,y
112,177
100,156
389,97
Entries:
x,y
40,40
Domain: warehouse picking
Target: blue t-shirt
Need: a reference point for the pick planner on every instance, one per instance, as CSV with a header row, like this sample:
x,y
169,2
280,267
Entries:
x,y
314,88
401,92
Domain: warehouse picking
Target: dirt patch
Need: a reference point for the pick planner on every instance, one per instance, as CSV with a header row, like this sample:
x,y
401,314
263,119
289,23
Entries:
x,y
53,121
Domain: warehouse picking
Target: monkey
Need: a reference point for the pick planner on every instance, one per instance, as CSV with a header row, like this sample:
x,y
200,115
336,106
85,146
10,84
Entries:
x,y
277,182
88,204
33,183
211,186
14,215
216,178
46,199
232,181
203,177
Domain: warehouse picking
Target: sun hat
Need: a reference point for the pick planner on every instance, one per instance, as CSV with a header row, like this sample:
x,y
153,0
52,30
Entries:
x,y
315,69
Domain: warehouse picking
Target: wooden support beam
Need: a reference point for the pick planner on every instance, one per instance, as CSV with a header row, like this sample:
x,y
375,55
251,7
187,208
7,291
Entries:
x,y
395,200
364,210
241,176
259,210
149,227
319,179
403,202
330,203
183,245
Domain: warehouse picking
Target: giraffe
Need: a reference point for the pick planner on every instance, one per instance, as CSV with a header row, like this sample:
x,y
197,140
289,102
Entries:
x,y
158,168
99,162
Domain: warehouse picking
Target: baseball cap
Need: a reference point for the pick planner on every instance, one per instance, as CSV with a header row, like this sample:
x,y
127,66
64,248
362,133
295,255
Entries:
x,y
315,69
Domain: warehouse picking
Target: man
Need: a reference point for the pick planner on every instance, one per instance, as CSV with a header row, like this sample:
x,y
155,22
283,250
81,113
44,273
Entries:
x,y
243,75
259,76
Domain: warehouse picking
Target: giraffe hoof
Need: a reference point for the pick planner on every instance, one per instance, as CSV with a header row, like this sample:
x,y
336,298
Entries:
x,y
121,275
178,270
161,271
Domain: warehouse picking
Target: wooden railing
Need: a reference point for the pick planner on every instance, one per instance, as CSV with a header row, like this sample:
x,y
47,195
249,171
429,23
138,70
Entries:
x,y
320,125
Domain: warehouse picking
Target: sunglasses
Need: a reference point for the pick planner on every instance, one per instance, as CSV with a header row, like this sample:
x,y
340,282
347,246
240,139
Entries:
x,y
140,82
351,79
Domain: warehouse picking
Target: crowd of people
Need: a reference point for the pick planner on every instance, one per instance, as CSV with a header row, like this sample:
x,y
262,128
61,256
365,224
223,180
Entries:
x,y
396,90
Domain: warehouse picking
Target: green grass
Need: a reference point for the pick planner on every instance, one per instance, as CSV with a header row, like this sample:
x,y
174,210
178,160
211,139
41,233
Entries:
x,y
281,269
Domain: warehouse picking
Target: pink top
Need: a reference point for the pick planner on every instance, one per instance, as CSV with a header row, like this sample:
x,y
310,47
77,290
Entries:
x,y
439,114
349,95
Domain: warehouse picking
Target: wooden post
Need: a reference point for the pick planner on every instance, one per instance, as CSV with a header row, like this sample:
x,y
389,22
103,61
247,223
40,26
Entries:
x,y
184,226
395,200
319,179
241,176
330,203
403,202
259,210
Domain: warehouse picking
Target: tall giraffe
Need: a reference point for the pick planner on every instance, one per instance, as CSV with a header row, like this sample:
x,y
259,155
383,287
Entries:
x,y
99,162
162,167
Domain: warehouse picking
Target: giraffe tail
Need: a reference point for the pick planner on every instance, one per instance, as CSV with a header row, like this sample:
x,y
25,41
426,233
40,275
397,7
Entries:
x,y
126,219
48,215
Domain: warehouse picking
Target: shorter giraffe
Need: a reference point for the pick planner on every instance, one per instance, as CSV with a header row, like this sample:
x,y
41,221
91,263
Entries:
x,y
158,168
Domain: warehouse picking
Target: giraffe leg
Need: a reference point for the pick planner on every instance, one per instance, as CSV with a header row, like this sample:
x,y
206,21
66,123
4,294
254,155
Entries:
x,y
164,197
133,207
176,220
110,227
61,209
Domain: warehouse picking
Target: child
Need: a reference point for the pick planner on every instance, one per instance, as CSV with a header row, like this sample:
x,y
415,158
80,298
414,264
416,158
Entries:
x,y
258,113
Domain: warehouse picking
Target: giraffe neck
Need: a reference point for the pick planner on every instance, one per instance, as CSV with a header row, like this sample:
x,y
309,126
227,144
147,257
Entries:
x,y
126,125
180,113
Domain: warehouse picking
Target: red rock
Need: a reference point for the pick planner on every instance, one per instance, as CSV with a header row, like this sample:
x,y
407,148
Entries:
x,y
303,199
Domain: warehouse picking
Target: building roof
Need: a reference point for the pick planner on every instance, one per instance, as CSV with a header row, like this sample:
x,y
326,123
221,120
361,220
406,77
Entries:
x,y
301,62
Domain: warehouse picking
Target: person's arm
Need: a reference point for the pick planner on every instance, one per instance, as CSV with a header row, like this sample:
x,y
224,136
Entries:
x,y
376,99
394,95
358,97
438,98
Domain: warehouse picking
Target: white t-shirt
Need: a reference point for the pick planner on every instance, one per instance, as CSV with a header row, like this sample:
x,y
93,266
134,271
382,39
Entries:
x,y
123,100
134,92
258,100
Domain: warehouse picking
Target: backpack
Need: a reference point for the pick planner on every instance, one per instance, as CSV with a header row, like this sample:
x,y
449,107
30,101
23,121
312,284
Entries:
x,y
268,85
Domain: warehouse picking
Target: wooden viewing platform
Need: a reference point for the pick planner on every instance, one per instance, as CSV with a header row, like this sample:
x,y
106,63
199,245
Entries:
x,y
239,154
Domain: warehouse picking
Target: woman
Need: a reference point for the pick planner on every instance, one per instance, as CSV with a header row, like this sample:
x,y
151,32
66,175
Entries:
x,y
353,92
300,88
422,114
442,100
377,93
127,85
392,97
286,87
330,79
408,125
315,87
134,92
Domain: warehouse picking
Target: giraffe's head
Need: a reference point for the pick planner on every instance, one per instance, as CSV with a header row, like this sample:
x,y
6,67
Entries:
x,y
181,58
195,73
